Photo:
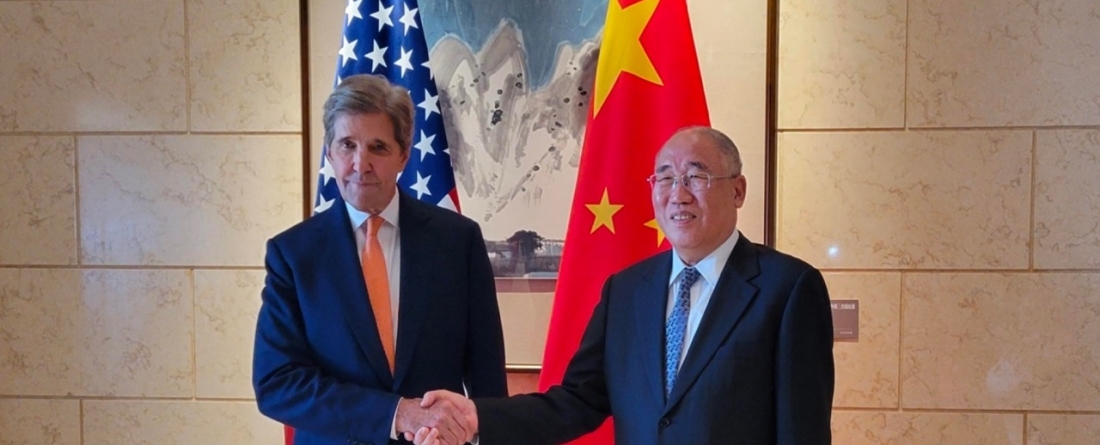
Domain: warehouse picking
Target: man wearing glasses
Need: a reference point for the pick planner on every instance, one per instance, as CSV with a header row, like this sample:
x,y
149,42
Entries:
x,y
719,341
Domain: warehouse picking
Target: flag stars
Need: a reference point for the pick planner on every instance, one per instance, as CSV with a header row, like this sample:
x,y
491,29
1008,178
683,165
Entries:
x,y
628,55
604,213
327,173
425,145
347,51
660,233
421,186
383,15
405,62
402,58
352,10
377,56
429,67
430,104
409,19
324,205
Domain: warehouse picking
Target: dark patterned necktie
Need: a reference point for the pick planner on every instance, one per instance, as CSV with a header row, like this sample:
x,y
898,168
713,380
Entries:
x,y
676,326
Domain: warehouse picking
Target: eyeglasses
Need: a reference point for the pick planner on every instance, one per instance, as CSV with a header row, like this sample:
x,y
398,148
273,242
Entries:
x,y
697,182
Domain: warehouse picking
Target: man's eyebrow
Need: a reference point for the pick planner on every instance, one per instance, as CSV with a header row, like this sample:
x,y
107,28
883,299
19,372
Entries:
x,y
698,165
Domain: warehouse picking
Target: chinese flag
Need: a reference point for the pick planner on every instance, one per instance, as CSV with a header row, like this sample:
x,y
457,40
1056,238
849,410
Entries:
x,y
647,86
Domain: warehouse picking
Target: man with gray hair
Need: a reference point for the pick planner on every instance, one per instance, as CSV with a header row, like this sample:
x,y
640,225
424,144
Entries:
x,y
378,299
719,341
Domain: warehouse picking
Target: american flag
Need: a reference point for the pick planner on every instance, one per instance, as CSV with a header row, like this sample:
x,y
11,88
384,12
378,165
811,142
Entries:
x,y
386,37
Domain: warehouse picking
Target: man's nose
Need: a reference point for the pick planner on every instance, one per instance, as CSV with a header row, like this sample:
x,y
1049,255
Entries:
x,y
361,161
680,193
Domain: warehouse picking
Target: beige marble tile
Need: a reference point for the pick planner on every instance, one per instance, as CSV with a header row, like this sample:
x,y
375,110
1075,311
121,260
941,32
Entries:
x,y
323,39
752,220
186,200
1001,341
177,423
1063,429
39,422
1067,200
905,200
111,333
245,65
525,317
841,64
867,370
735,80
226,305
896,428
1006,63
92,66
38,195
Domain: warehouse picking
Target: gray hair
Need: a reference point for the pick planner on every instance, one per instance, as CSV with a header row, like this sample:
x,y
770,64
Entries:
x,y
725,145
367,94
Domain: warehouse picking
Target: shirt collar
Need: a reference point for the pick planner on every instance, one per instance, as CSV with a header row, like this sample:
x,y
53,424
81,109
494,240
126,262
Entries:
x,y
710,267
389,213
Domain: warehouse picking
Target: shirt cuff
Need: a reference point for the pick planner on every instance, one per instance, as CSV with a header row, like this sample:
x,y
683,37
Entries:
x,y
393,424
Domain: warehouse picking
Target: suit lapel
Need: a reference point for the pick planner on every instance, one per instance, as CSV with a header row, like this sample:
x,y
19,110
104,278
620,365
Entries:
x,y
651,299
416,245
731,297
351,289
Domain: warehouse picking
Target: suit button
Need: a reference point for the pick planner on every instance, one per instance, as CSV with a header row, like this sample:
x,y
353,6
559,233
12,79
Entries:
x,y
664,423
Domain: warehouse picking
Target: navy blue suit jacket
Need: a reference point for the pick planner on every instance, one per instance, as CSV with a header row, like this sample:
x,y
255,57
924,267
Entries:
x,y
318,364
759,371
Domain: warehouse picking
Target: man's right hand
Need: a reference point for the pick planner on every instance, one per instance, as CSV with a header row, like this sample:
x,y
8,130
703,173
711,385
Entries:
x,y
438,413
465,407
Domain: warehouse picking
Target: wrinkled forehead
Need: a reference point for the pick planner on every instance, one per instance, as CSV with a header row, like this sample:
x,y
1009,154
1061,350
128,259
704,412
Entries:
x,y
686,156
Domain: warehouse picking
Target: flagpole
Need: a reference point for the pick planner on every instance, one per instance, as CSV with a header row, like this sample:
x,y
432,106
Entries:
x,y
307,136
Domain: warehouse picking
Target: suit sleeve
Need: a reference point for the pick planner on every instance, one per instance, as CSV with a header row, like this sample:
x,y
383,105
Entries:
x,y
484,373
804,384
291,388
564,412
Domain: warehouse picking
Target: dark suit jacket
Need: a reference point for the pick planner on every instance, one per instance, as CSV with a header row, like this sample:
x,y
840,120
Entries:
x,y
759,371
318,364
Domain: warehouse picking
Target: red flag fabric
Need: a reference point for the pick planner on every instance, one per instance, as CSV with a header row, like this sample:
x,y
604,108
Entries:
x,y
647,86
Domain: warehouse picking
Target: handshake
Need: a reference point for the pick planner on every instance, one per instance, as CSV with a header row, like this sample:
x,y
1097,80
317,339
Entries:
x,y
440,418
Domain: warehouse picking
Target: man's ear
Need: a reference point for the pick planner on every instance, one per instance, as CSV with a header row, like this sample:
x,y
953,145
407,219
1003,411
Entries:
x,y
740,187
405,157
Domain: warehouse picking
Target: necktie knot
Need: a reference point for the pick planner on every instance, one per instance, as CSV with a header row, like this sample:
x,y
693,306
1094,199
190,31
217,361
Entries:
x,y
374,222
691,275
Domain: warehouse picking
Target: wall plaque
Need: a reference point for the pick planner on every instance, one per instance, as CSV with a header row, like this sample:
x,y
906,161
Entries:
x,y
845,320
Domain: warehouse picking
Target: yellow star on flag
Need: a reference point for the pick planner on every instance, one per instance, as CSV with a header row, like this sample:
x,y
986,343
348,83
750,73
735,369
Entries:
x,y
622,50
604,211
660,233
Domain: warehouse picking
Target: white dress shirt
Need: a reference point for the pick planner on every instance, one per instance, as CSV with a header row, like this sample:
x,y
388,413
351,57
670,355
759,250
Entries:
x,y
710,268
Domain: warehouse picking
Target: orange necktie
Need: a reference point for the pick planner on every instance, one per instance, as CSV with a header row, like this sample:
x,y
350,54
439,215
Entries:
x,y
378,286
